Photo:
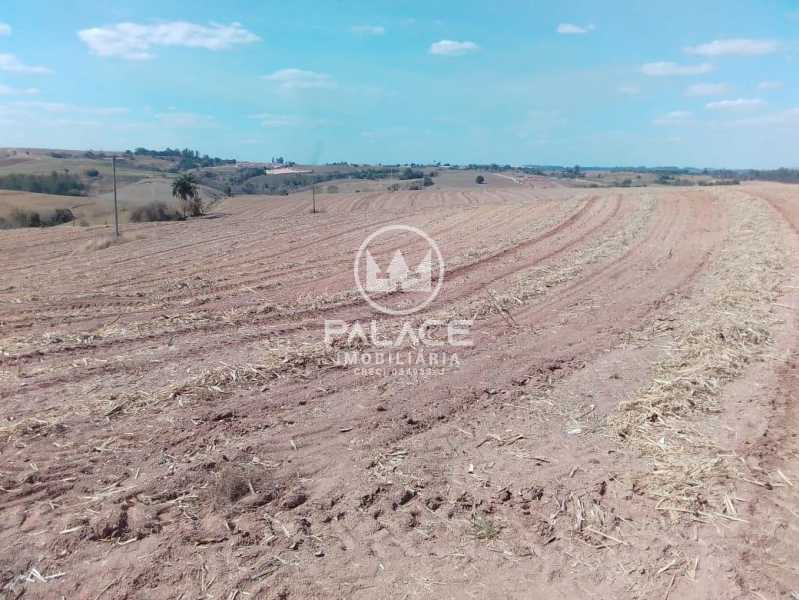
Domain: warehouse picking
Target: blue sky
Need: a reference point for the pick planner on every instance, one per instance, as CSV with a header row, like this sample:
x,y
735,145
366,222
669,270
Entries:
x,y
590,83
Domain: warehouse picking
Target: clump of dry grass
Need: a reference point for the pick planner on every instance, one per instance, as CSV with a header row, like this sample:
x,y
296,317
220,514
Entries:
x,y
230,485
484,528
277,361
708,353
686,463
281,359
30,428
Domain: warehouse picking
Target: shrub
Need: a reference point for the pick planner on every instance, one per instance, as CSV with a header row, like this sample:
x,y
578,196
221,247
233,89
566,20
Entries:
x,y
22,217
428,181
408,173
92,173
59,216
154,211
480,179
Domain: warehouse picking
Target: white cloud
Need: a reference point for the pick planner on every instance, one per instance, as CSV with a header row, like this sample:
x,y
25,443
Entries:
x,y
135,42
108,111
770,85
738,104
785,118
185,120
6,90
299,79
50,107
453,48
571,29
675,117
60,107
630,90
707,89
386,133
540,124
734,47
5,29
53,115
665,69
272,121
368,29
10,63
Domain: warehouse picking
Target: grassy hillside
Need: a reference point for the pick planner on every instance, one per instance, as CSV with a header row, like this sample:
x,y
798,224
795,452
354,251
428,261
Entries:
x,y
95,173
98,210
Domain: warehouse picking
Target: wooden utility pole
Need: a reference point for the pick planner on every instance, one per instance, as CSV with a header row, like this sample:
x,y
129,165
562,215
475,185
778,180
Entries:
x,y
116,210
313,195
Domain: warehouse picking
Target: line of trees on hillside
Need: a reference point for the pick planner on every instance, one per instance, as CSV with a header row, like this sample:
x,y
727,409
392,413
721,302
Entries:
x,y
782,175
252,180
60,184
187,158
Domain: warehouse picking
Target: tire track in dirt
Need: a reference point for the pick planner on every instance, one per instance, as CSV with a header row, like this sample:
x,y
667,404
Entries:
x,y
42,319
312,325
310,438
293,317
558,348
39,311
290,226
298,431
107,370
104,369
106,303
332,260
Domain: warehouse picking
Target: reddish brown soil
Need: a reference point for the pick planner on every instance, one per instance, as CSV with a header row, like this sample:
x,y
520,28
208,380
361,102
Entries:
x,y
494,479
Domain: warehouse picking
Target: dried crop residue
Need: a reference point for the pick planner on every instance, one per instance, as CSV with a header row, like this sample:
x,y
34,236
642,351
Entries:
x,y
690,471
174,425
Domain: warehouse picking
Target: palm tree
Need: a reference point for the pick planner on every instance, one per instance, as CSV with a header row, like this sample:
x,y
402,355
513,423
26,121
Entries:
x,y
185,189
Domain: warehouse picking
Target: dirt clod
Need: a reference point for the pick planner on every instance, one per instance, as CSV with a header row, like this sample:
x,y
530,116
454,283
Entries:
x,y
294,500
404,496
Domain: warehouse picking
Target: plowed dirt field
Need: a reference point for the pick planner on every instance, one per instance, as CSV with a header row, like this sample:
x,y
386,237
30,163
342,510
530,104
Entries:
x,y
624,425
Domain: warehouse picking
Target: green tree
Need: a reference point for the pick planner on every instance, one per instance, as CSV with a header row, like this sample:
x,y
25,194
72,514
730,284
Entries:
x,y
184,188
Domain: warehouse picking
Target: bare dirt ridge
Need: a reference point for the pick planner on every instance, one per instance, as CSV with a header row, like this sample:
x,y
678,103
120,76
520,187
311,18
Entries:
x,y
173,426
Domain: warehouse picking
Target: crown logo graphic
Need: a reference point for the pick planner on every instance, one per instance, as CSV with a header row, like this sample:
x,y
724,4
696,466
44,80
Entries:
x,y
398,276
